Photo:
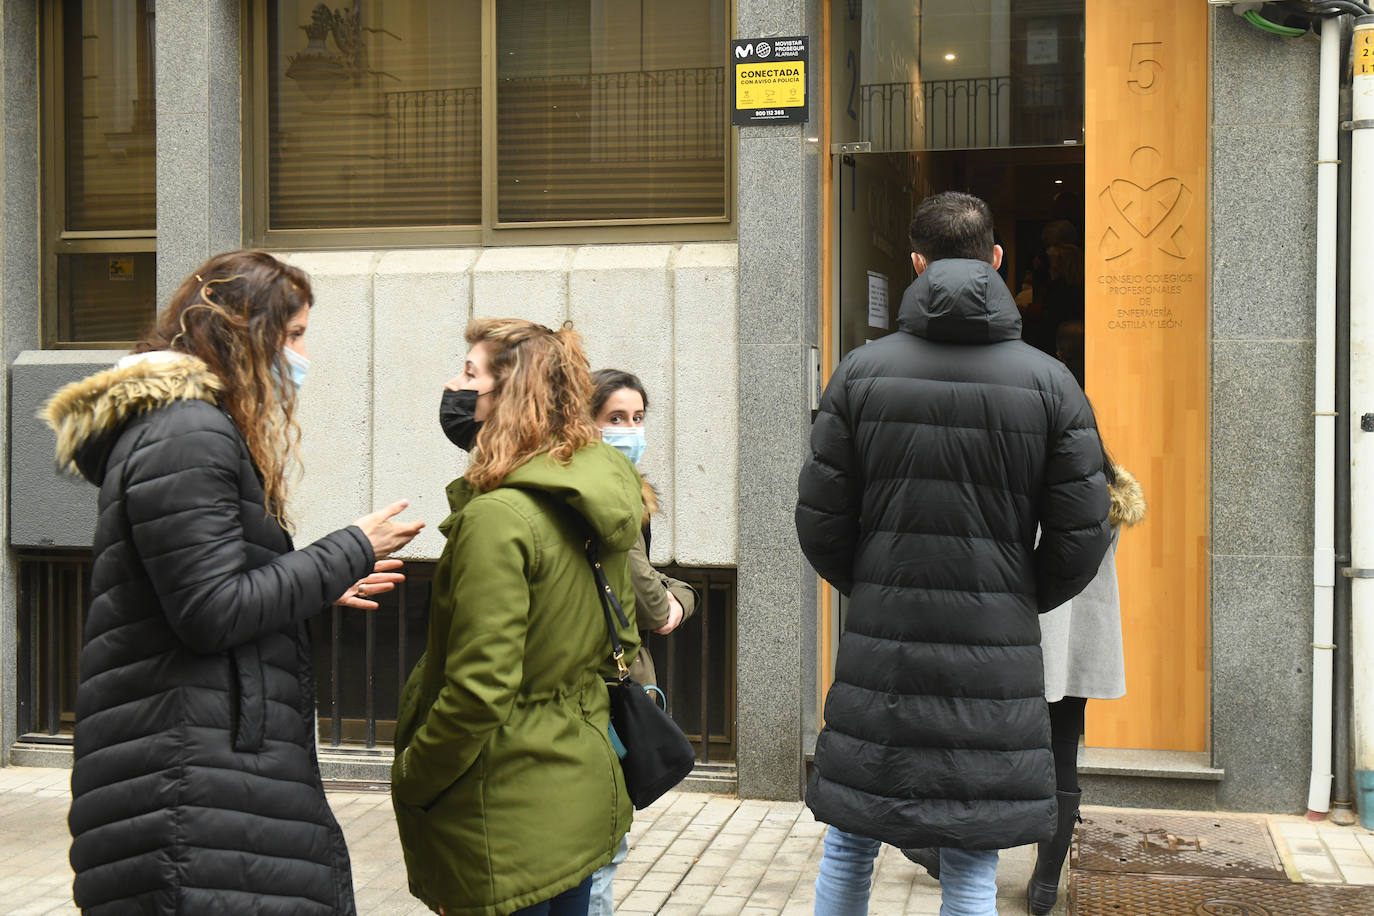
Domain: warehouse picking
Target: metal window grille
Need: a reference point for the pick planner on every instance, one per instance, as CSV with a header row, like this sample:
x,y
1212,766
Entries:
x,y
362,658
696,664
54,595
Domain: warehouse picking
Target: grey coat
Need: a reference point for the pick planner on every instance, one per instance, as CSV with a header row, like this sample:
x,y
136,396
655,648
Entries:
x,y
1080,640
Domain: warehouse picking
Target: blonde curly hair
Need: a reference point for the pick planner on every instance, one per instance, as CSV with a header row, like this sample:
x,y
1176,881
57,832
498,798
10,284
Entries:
x,y
540,397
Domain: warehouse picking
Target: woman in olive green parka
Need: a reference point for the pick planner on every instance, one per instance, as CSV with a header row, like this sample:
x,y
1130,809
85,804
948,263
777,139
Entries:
x,y
508,793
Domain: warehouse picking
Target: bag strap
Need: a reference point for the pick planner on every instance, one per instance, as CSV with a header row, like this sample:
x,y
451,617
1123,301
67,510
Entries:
x,y
609,602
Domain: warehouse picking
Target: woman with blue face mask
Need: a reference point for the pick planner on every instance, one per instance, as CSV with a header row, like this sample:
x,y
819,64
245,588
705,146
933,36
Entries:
x,y
619,405
195,711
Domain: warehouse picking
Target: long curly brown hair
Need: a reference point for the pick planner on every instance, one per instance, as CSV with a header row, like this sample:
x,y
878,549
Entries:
x,y
540,397
232,313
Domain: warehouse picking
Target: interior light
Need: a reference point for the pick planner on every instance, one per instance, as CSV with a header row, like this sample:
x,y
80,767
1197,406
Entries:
x,y
1059,181
950,56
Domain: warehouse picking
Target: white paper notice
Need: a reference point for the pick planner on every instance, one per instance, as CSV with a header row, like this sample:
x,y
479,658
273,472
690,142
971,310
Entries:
x,y
877,300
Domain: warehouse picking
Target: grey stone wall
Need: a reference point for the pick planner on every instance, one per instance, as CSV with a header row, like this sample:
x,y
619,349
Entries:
x,y
1264,101
387,331
48,509
199,186
19,272
778,308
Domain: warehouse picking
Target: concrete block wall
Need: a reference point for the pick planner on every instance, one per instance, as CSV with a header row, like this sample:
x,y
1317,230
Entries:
x,y
387,332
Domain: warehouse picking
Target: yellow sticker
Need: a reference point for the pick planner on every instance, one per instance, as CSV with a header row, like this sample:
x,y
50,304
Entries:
x,y
1364,52
771,85
121,268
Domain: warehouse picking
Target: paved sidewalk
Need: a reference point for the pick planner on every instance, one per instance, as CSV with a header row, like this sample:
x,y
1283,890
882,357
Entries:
x,y
1323,853
690,854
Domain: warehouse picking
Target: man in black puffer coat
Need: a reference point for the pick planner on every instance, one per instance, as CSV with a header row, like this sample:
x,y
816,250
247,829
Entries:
x,y
937,454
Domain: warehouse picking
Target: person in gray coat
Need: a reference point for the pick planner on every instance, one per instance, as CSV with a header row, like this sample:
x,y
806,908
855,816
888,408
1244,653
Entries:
x,y
1080,643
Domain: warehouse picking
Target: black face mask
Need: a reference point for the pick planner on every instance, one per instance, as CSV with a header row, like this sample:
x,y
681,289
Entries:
x,y
458,417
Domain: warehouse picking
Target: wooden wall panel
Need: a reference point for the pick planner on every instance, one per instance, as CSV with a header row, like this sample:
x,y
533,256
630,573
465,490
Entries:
x,y
1147,355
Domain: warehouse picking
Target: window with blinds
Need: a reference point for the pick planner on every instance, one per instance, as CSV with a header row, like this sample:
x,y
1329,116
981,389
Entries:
x,y
602,111
375,113
610,110
104,159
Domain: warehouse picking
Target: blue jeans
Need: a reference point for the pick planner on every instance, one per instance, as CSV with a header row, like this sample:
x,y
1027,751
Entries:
x,y
603,895
968,878
568,903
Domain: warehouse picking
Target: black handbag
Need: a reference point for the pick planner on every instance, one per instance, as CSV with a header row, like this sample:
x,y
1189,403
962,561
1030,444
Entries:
x,y
658,755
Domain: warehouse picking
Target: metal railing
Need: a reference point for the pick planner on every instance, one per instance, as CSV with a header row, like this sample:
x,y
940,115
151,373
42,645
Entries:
x,y
362,658
428,130
696,664
972,113
657,114
54,595
634,115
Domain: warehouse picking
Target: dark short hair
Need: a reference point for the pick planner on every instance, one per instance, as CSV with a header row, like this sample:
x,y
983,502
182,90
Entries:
x,y
1068,339
606,382
952,224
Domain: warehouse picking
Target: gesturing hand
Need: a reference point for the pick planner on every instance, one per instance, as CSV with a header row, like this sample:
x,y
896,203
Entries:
x,y
361,594
387,536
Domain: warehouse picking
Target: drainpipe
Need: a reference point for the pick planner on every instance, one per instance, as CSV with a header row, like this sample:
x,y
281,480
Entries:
x,y
1342,801
1324,411
1362,405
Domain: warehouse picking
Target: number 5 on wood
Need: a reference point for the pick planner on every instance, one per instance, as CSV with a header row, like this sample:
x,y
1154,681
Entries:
x,y
1144,66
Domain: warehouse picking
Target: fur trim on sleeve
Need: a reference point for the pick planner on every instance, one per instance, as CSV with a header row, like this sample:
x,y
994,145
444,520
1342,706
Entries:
x,y
1128,500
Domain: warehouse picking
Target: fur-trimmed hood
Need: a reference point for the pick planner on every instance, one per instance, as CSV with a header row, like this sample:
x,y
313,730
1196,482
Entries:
x,y
1128,500
88,415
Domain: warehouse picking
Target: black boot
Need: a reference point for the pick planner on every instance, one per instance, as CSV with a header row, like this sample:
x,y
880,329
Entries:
x,y
1043,890
928,857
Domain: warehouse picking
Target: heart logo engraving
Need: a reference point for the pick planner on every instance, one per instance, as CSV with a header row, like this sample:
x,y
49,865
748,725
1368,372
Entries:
x,y
1142,210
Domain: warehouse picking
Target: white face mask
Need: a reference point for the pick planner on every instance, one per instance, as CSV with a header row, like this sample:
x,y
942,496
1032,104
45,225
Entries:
x,y
299,366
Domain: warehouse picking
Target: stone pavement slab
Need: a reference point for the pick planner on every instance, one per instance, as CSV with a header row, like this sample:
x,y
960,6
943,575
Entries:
x,y
762,858
1321,852
689,854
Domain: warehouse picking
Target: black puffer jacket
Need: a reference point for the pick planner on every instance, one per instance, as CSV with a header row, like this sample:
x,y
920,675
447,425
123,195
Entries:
x,y
937,452
196,788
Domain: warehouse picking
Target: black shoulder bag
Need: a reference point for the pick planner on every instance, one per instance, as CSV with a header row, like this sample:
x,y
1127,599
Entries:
x,y
658,755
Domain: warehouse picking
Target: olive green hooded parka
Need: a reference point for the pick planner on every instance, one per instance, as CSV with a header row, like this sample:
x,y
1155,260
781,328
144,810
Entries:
x,y
506,788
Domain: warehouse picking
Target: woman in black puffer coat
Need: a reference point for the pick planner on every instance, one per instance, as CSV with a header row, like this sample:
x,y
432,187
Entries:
x,y
196,787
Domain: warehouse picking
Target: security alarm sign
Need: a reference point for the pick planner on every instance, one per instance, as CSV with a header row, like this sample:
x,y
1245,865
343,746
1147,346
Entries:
x,y
770,81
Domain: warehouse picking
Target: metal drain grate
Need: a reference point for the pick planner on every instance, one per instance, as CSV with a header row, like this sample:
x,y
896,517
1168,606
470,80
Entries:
x,y
1102,894
1168,844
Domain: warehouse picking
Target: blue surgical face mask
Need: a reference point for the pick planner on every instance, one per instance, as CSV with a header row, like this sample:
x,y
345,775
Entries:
x,y
629,440
299,366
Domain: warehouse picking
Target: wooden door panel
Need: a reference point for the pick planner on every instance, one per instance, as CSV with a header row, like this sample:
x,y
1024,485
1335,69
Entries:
x,y
1147,355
